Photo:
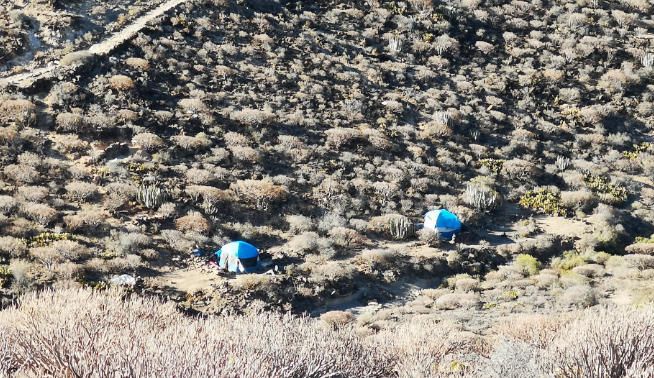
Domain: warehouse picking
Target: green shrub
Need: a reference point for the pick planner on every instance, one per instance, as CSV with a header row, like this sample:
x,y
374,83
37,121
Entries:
x,y
493,165
527,264
543,200
569,260
609,193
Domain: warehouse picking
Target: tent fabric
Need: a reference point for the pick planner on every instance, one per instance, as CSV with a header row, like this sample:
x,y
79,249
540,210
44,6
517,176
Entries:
x,y
238,257
444,222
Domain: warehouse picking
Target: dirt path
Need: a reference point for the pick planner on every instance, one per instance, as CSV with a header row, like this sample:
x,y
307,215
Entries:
x,y
188,280
52,70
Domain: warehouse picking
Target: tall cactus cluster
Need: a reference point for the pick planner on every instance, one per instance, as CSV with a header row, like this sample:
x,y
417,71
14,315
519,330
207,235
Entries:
x,y
482,197
150,195
400,227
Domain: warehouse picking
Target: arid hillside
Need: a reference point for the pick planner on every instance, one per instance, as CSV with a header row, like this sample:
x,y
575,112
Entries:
x,y
321,132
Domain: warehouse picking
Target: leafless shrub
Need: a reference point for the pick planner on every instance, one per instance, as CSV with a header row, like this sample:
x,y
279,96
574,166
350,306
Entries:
x,y
38,212
303,243
7,204
148,141
88,219
341,136
82,191
252,116
297,223
192,143
347,237
337,319
72,122
22,112
259,193
21,173
603,343
11,246
193,105
193,221
48,326
60,251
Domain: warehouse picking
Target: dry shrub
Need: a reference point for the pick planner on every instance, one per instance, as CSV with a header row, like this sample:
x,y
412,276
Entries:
x,y
121,83
347,237
193,221
303,243
38,212
7,204
148,141
253,282
640,248
533,329
22,173
373,259
87,219
579,199
423,348
192,143
603,343
245,154
32,193
338,137
260,194
337,319
453,301
146,337
192,105
252,116
72,122
21,111
82,191
208,194
10,246
296,223
60,251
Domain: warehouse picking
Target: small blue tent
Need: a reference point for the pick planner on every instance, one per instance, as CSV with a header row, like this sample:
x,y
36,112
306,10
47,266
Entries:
x,y
238,257
444,222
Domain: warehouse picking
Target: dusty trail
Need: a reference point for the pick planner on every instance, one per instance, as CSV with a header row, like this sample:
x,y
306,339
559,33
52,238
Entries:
x,y
105,47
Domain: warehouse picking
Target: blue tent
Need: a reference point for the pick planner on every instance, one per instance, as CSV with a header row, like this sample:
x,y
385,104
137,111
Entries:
x,y
238,257
444,222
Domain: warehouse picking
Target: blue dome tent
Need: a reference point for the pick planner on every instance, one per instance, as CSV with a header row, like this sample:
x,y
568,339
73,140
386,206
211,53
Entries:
x,y
444,222
238,257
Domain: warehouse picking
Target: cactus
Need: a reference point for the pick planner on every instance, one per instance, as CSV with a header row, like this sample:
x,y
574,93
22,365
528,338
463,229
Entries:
x,y
482,197
150,195
400,227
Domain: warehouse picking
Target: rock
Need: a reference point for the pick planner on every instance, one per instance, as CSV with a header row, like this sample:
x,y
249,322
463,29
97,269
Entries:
x,y
123,280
